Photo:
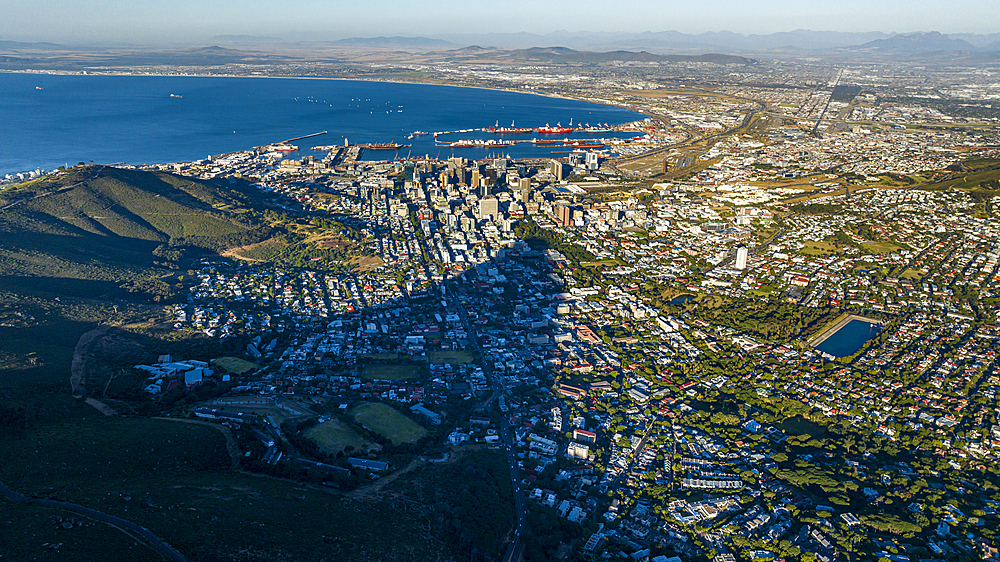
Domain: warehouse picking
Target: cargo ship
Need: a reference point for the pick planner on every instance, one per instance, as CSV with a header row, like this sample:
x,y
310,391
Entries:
x,y
543,141
385,146
175,96
478,143
512,130
557,130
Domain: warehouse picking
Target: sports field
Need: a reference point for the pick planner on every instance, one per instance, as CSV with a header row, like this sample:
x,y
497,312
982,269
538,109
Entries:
x,y
388,423
333,437
375,371
453,357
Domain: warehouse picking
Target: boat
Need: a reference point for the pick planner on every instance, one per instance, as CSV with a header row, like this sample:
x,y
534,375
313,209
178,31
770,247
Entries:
x,y
557,130
479,143
175,96
496,143
385,146
284,147
543,141
512,130
39,88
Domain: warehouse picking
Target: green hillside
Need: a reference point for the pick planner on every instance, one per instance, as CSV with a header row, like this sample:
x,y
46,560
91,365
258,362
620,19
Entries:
x,y
103,224
97,245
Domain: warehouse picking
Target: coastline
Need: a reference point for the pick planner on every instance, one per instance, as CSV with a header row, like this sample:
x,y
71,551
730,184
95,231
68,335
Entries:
x,y
295,77
633,117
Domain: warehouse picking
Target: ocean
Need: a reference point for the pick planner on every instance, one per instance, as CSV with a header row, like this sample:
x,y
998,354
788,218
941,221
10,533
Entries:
x,y
51,120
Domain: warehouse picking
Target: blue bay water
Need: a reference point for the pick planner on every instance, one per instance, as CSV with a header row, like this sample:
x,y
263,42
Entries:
x,y
133,119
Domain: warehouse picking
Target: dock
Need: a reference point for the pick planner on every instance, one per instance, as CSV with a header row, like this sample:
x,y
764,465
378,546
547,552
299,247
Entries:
x,y
302,137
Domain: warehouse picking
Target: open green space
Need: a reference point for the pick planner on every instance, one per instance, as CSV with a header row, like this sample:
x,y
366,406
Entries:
x,y
453,357
881,247
775,321
333,437
378,357
912,274
800,425
819,248
388,422
173,478
383,372
235,365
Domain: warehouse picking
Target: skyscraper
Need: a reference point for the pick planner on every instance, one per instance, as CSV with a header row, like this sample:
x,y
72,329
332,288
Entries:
x,y
556,168
524,185
564,214
741,257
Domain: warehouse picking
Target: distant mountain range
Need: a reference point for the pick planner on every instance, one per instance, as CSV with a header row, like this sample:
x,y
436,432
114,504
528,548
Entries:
x,y
729,42
721,47
917,43
245,39
566,55
396,42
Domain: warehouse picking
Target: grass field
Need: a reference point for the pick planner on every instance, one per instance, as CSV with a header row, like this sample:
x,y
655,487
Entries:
x,y
378,357
912,274
375,371
819,249
388,423
881,247
333,437
235,365
454,357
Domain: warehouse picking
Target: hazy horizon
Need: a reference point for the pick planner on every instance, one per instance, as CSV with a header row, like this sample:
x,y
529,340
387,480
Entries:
x,y
186,21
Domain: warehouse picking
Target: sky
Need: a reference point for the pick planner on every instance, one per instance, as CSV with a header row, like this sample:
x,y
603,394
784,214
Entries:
x,y
182,21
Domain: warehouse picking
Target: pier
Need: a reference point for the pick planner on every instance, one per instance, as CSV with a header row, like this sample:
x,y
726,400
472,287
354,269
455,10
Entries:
x,y
302,137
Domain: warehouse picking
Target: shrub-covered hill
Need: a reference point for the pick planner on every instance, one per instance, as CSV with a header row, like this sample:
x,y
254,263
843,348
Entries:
x,y
94,222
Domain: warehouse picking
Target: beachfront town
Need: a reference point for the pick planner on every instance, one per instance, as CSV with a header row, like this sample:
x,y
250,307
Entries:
x,y
788,349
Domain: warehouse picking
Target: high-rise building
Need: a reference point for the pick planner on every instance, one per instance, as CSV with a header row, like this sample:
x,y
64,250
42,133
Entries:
x,y
741,257
564,214
556,168
474,183
524,186
593,161
489,207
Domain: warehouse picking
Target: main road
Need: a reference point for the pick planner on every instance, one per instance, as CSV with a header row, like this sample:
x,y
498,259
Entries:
x,y
132,529
516,545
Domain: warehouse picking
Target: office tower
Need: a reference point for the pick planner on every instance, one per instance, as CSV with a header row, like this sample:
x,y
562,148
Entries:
x,y
741,257
488,207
